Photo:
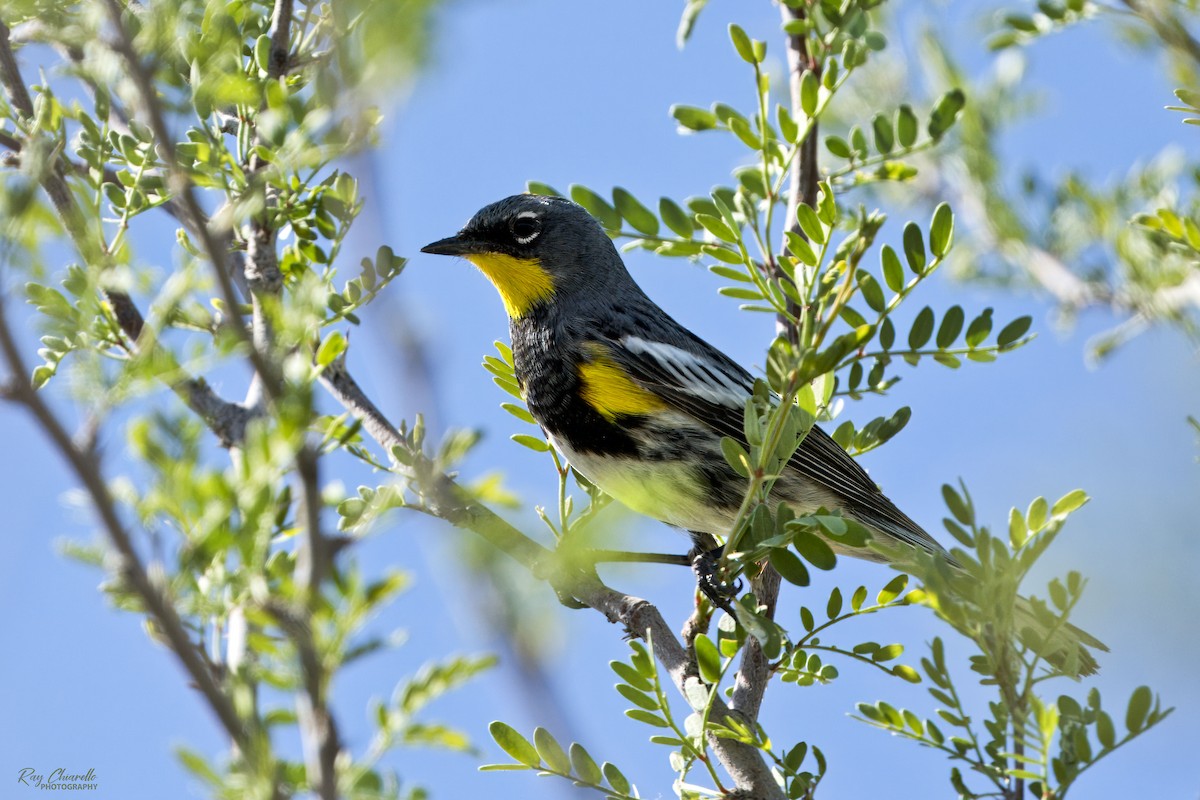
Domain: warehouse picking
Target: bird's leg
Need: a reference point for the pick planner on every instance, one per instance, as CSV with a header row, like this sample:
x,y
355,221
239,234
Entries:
x,y
623,556
705,557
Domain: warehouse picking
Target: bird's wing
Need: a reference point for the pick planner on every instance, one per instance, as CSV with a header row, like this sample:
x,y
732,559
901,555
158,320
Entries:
x,y
710,387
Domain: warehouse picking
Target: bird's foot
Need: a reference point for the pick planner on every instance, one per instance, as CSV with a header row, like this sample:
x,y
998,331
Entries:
x,y
706,565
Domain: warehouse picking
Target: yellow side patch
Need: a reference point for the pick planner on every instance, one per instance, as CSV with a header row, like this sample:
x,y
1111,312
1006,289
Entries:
x,y
609,390
522,282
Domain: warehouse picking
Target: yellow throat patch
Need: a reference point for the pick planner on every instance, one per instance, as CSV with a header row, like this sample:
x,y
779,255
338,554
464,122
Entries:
x,y
608,389
522,282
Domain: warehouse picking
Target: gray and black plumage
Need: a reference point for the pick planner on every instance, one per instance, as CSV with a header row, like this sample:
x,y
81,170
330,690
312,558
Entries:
x,y
636,402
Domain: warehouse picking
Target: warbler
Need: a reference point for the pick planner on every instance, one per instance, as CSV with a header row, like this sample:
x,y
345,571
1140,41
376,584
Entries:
x,y
637,403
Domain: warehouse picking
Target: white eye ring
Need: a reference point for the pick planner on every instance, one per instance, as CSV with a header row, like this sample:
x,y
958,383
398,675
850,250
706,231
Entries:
x,y
537,229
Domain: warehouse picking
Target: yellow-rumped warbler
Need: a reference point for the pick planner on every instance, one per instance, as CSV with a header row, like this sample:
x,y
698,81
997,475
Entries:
x,y
637,403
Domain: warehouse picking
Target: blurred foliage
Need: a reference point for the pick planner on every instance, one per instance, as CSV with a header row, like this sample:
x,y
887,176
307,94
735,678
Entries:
x,y
261,103
1085,240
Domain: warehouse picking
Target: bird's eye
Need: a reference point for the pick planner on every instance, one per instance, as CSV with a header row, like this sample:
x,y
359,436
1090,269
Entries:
x,y
526,227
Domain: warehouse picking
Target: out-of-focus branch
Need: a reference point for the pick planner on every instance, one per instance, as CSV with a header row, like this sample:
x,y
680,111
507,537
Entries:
x,y
227,420
38,31
1169,28
85,464
215,248
443,498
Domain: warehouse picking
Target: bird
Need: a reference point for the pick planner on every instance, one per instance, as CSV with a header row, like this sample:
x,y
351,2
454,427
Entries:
x,y
638,404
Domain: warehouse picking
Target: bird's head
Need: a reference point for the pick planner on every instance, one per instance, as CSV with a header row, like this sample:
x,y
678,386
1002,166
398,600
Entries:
x,y
534,249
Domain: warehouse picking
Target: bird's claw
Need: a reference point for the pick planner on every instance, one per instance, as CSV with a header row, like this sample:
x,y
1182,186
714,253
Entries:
x,y
719,592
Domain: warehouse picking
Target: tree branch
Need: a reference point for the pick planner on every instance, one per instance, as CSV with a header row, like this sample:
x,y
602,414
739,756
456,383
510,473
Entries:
x,y
445,499
1170,29
179,182
804,176
227,420
152,593
754,672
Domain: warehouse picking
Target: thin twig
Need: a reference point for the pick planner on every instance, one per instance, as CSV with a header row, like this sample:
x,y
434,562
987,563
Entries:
x,y
180,185
152,593
227,420
443,498
803,174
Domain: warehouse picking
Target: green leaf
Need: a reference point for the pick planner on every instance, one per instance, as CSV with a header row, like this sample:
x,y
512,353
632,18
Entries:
x,y
833,606
892,590
1013,331
881,126
742,44
946,112
922,329
815,550
115,195
801,249
1104,730
788,127
941,230
838,147
790,567
41,375
719,229
532,442
195,764
520,412
694,119
513,743
951,326
631,676
641,218
333,346
858,142
639,699
676,218
731,273
887,653
646,717
906,126
615,778
687,21
914,248
1069,502
957,505
537,187
1018,531
893,272
585,767
887,337
871,291
979,328
809,89
708,659
551,751
740,293
597,206
810,223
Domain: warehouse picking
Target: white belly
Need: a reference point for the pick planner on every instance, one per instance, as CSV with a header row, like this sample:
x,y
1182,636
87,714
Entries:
x,y
664,490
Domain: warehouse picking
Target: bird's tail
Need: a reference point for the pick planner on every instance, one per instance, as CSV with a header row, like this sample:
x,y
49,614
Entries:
x,y
1059,643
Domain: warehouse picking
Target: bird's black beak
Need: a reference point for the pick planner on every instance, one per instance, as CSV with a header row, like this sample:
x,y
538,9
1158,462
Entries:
x,y
460,244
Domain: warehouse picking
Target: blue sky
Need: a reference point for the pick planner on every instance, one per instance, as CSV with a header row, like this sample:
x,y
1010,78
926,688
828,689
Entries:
x,y
567,93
